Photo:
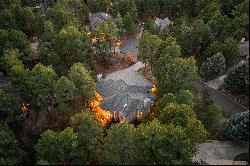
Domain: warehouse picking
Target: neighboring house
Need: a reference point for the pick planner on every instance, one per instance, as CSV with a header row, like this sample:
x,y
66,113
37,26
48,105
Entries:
x,y
97,18
162,23
244,50
33,57
125,99
41,8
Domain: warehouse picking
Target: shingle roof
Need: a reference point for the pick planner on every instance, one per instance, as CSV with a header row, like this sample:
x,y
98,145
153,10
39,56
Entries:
x,y
244,49
97,18
162,23
118,95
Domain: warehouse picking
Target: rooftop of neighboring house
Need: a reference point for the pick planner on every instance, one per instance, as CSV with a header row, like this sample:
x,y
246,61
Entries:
x,y
97,18
244,49
162,23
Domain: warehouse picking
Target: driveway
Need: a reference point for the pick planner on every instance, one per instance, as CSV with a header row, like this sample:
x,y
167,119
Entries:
x,y
129,75
216,83
130,45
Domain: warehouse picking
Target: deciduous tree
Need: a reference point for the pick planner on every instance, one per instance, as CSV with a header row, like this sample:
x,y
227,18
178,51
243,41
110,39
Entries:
x,y
182,115
153,143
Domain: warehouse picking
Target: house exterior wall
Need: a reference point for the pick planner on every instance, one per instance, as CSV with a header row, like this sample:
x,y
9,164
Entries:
x,y
118,116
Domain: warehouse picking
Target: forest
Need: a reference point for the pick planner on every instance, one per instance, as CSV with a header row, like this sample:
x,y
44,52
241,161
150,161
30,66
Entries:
x,y
45,95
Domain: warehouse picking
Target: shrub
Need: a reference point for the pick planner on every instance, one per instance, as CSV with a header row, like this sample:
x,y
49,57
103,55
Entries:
x,y
238,127
213,67
211,115
237,78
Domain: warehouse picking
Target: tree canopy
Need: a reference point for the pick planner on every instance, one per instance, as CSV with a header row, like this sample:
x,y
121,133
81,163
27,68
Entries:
x,y
10,150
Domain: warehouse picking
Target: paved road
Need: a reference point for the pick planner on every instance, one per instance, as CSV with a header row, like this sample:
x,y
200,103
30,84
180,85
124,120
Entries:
x,y
226,103
217,150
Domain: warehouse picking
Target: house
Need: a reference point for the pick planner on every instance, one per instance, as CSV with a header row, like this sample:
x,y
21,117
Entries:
x,y
127,99
244,50
162,23
97,18
42,7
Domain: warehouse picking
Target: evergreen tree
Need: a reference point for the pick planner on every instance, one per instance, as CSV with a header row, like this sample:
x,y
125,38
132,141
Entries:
x,y
238,128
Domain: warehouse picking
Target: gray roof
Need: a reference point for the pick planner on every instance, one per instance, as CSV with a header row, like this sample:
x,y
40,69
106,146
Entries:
x,y
244,49
162,23
97,18
119,95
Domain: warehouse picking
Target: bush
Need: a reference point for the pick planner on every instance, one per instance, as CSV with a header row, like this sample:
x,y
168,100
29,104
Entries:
x,y
213,67
211,115
237,78
150,26
238,127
